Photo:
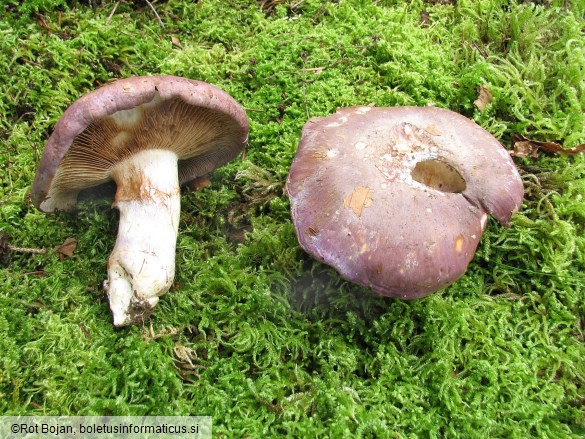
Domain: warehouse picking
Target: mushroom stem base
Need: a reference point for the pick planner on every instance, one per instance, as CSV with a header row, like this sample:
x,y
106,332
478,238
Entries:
x,y
142,265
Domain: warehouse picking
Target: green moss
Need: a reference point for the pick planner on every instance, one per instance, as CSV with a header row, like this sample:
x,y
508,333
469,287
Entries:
x,y
254,332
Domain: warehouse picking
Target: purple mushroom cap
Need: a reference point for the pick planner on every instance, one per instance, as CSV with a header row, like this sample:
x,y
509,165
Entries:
x,y
396,199
203,124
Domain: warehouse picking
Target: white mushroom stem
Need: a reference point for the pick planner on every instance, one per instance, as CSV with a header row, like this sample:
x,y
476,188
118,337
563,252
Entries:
x,y
142,265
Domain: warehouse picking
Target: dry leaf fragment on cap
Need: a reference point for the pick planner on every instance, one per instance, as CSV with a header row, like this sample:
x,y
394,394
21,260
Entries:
x,y
360,198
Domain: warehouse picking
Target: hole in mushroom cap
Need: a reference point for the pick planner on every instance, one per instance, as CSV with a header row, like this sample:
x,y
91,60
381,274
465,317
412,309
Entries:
x,y
438,175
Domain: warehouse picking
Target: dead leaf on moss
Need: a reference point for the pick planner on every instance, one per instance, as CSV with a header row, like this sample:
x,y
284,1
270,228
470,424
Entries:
x,y
3,243
42,23
424,18
66,249
199,183
524,147
176,42
485,97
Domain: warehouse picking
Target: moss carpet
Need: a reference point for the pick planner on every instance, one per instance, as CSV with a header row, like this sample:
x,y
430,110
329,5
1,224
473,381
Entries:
x,y
254,332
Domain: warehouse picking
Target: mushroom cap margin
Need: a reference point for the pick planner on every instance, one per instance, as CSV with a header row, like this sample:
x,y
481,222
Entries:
x,y
125,94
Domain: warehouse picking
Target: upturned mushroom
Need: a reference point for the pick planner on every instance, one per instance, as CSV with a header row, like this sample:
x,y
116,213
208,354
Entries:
x,y
149,135
396,199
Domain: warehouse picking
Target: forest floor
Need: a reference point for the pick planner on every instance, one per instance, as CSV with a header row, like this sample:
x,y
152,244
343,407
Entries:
x,y
254,332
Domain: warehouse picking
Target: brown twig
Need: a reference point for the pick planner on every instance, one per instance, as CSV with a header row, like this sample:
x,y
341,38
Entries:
x,y
155,13
6,248
36,251
113,11
8,171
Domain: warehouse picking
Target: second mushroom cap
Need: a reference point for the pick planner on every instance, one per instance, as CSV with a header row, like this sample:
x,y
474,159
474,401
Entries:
x,y
397,199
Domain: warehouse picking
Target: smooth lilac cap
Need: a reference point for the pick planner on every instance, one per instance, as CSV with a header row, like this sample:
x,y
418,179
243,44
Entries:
x,y
396,199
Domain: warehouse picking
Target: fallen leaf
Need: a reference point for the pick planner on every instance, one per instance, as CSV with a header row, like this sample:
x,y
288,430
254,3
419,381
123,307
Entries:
x,y
525,149
199,183
549,147
66,249
485,97
3,243
41,21
176,42
424,18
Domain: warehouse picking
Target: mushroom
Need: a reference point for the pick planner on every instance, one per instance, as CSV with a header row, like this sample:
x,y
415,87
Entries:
x,y
149,135
396,199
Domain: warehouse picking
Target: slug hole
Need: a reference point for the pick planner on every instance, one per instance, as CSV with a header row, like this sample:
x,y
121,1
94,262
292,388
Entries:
x,y
439,175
